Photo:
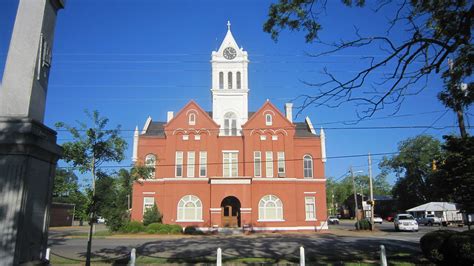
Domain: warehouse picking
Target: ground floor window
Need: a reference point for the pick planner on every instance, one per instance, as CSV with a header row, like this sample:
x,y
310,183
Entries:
x,y
310,208
148,203
189,209
270,208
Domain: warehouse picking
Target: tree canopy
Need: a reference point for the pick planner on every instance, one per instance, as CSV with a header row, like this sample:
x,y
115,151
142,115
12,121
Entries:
x,y
434,30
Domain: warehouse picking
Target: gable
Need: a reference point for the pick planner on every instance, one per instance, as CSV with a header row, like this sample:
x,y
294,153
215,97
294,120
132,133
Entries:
x,y
191,116
259,120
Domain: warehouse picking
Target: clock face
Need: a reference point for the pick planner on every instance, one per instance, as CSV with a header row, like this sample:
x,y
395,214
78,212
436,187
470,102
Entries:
x,y
229,53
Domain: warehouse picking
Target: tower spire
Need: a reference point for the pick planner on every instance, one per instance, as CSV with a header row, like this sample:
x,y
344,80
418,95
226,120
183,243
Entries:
x,y
228,25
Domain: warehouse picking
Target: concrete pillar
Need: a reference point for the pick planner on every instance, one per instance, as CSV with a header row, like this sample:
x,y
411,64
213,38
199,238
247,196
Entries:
x,y
28,150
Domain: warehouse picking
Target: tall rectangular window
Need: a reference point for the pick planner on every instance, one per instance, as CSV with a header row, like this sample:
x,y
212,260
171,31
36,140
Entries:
x,y
269,164
203,163
229,80
191,162
179,164
221,80
310,208
148,203
230,164
281,164
239,82
257,163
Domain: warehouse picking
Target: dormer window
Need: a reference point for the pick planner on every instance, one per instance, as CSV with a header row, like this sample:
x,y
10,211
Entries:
x,y
221,80
229,80
238,79
268,119
192,119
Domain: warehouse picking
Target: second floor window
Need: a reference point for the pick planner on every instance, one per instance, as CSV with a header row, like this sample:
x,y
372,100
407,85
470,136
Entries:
x,y
230,164
281,164
150,163
269,164
191,162
257,163
308,166
179,164
202,164
230,124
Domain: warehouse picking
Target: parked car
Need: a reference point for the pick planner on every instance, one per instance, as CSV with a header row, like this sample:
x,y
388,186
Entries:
x,y
333,220
100,220
377,219
430,219
405,222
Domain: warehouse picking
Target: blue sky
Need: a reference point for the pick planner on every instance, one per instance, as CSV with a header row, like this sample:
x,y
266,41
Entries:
x,y
131,59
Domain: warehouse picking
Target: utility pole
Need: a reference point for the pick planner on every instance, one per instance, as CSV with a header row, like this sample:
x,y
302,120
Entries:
x,y
372,202
356,210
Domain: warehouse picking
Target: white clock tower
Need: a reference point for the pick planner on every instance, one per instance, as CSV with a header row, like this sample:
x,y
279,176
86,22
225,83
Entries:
x,y
230,86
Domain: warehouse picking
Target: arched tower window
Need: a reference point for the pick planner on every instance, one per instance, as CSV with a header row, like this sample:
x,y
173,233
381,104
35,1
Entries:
x,y
230,124
268,119
270,208
221,80
192,119
189,209
239,82
308,166
229,80
150,162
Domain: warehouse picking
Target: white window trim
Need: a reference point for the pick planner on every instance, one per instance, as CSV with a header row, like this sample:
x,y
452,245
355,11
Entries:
x,y
281,160
185,137
314,205
201,165
152,174
197,137
255,164
193,120
230,163
144,204
312,166
268,122
191,165
184,221
260,214
269,162
182,208
176,164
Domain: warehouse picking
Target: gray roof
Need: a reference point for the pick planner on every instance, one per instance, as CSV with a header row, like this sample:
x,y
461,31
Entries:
x,y
155,129
303,130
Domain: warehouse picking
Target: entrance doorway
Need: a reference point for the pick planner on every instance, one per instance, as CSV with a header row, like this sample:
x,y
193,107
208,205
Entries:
x,y
230,212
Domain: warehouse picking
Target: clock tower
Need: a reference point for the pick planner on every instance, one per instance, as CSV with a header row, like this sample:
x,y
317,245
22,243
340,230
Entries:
x,y
230,86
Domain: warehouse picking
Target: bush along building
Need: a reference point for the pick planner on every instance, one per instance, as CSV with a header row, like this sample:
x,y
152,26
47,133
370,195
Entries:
x,y
231,167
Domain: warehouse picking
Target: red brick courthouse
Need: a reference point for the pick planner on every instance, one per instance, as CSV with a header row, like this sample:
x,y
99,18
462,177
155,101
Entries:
x,y
231,167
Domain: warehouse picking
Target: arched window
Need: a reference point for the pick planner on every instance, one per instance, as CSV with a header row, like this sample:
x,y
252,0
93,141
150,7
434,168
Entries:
x,y
270,208
192,119
239,82
189,209
150,162
230,124
229,80
308,166
268,119
221,80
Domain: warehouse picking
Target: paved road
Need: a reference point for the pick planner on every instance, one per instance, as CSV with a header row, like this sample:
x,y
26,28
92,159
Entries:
x,y
341,243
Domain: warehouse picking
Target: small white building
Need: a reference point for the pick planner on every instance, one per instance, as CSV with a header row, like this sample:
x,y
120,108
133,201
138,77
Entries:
x,y
445,210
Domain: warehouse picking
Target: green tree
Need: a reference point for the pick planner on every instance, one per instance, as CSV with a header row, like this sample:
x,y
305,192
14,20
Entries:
x,y
152,215
454,177
92,146
435,30
66,190
413,166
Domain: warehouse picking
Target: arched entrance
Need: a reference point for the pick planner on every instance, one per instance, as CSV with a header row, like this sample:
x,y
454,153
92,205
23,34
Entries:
x,y
230,212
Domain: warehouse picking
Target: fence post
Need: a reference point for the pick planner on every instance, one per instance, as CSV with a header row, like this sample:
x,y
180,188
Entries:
x,y
383,256
133,257
302,259
219,257
48,252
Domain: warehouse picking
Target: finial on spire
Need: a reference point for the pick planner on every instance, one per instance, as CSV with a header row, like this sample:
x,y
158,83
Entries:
x,y
228,25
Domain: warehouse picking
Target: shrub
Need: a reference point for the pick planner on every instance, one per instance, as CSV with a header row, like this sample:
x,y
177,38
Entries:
x,y
460,248
434,245
133,227
152,215
158,228
362,224
192,230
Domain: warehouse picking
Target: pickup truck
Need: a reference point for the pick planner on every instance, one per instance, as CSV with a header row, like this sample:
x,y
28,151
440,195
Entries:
x,y
430,219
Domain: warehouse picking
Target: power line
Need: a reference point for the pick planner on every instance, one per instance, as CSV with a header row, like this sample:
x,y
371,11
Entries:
x,y
246,162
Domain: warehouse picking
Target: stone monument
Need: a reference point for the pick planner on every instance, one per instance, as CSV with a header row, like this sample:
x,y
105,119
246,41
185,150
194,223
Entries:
x,y
28,149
